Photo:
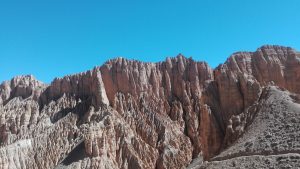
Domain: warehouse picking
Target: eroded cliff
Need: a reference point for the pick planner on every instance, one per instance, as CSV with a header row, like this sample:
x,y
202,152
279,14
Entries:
x,y
131,114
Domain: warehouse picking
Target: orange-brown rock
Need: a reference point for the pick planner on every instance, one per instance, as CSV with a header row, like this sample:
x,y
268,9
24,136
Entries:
x,y
131,114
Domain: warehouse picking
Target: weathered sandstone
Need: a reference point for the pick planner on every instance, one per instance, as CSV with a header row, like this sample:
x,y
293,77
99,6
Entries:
x,y
132,114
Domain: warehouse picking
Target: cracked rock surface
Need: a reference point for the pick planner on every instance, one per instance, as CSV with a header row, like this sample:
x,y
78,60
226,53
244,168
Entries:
x,y
178,113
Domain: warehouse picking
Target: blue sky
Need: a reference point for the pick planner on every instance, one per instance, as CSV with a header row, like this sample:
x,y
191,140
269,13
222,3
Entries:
x,y
54,38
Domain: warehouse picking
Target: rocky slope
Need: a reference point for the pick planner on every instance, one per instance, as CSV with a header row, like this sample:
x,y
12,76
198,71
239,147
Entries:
x,y
272,140
131,114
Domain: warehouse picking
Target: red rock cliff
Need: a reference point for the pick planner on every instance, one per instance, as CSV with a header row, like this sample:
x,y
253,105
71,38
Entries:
x,y
131,114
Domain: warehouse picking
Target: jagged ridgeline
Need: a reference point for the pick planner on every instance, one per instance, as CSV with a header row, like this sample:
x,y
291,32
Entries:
x,y
173,114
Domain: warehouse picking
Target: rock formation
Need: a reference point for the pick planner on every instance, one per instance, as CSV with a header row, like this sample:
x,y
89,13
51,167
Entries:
x,y
173,114
271,141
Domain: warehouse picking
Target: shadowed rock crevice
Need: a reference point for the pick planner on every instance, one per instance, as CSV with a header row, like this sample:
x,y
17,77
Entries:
x,y
78,153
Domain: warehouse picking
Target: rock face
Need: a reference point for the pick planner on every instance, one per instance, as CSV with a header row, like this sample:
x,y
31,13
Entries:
x,y
271,141
131,114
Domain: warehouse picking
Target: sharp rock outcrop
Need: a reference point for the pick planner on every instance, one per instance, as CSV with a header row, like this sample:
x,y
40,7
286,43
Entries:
x,y
132,114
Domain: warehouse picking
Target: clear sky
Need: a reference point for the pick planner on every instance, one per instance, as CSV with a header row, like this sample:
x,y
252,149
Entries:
x,y
53,38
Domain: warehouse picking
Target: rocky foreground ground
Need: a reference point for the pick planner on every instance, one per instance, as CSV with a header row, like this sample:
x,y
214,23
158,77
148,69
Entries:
x,y
173,114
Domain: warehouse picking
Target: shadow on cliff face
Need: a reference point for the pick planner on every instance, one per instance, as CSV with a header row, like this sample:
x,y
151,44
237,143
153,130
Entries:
x,y
19,91
79,110
78,153
211,97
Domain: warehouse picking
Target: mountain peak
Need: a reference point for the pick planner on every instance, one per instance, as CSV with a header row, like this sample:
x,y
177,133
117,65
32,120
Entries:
x,y
132,114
